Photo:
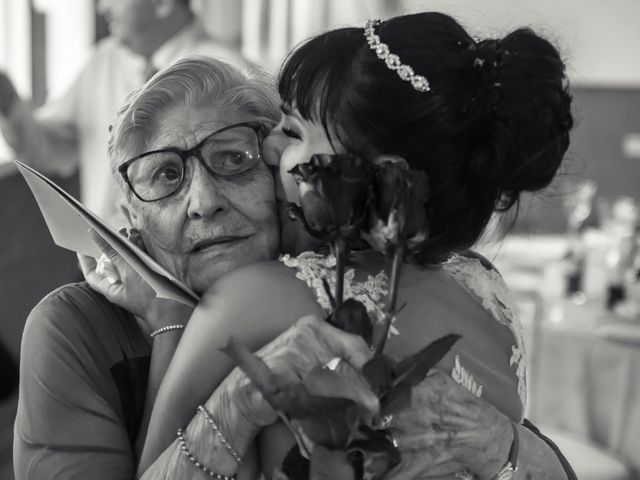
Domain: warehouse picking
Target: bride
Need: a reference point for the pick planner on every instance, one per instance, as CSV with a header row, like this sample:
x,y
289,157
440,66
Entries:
x,y
485,121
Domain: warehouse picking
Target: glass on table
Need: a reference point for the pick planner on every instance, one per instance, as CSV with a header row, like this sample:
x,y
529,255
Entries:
x,y
577,201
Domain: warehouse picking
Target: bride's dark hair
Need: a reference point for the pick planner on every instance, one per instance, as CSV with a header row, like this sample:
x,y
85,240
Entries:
x,y
495,123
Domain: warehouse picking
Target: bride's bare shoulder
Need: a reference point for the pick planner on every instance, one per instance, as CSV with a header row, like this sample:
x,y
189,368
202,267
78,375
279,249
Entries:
x,y
262,278
259,291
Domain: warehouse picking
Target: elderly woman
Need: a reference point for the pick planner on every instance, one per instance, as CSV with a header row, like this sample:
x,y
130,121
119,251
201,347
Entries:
x,y
86,363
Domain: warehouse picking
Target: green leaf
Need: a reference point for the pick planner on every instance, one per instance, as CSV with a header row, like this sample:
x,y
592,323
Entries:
x,y
396,400
379,372
413,370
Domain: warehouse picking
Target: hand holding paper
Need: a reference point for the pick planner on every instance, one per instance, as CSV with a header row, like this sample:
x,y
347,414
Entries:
x,y
70,223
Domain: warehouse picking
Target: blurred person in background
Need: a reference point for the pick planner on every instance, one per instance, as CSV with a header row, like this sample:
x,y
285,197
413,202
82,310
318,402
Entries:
x,y
72,132
8,373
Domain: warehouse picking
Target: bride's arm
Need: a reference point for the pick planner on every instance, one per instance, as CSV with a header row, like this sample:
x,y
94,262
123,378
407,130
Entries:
x,y
240,411
253,305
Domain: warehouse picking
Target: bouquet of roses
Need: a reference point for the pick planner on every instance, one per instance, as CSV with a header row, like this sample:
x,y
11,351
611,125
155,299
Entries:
x,y
344,199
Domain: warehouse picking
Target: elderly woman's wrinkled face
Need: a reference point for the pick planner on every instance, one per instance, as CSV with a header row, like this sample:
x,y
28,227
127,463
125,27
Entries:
x,y
212,224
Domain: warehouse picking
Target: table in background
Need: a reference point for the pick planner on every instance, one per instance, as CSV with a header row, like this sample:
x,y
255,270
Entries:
x,y
581,380
587,378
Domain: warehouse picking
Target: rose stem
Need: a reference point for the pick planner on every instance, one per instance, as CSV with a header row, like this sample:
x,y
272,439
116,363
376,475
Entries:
x,y
393,296
341,250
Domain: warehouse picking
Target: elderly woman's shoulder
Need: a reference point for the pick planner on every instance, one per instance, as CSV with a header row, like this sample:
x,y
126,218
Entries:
x,y
71,311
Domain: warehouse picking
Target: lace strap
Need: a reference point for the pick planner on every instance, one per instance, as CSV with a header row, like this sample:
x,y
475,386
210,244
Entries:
x,y
317,270
478,277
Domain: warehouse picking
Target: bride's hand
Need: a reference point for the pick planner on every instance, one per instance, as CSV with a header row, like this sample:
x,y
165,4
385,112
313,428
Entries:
x,y
447,429
114,278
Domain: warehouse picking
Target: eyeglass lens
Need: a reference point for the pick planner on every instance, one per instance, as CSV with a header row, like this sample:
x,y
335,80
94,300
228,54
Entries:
x,y
225,154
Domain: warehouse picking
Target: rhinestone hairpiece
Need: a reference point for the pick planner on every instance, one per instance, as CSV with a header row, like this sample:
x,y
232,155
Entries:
x,y
405,72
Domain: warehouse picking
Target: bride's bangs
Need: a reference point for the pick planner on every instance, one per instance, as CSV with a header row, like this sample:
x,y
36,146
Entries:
x,y
312,79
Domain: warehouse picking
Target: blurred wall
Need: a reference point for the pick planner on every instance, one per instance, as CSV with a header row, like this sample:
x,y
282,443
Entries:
x,y
70,29
599,39
603,118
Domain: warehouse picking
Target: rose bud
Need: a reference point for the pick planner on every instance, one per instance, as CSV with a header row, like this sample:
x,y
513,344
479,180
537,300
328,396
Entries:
x,y
334,191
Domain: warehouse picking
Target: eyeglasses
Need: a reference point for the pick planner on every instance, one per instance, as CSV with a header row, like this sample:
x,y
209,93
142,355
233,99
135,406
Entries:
x,y
230,151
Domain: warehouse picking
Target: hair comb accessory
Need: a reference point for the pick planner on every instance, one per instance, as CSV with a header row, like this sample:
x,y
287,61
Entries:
x,y
393,62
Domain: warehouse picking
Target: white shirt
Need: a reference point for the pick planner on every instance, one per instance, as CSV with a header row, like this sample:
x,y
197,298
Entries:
x,y
89,107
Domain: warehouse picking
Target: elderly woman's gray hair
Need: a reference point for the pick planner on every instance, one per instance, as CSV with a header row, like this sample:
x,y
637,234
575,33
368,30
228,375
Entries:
x,y
190,82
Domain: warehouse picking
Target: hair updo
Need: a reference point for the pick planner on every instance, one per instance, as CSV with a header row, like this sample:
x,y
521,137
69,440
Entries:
x,y
495,123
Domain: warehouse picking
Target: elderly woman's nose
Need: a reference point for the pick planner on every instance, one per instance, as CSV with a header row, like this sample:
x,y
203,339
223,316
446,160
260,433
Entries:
x,y
206,195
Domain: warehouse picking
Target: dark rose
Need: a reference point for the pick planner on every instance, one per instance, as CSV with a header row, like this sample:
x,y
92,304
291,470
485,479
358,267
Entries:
x,y
398,210
334,192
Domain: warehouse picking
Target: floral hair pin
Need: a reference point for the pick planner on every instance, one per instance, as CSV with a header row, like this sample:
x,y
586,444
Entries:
x,y
393,62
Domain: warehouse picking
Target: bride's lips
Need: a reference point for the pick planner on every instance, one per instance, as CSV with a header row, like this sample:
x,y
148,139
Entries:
x,y
224,241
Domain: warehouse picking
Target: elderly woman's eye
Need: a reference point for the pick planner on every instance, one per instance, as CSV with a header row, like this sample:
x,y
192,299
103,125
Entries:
x,y
233,162
170,174
167,173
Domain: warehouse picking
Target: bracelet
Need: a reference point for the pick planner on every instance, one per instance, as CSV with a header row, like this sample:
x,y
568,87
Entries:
x,y
197,464
216,429
177,326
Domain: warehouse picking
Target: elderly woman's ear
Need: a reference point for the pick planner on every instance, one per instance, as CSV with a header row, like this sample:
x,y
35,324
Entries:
x,y
127,213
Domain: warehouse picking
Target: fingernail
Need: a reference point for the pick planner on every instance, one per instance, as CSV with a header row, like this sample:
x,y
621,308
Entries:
x,y
112,280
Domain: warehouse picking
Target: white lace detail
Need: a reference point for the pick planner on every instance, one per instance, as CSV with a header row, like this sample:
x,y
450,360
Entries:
x,y
313,268
462,376
489,287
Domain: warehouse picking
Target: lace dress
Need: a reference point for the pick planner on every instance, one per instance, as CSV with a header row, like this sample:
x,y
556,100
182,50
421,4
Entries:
x,y
468,364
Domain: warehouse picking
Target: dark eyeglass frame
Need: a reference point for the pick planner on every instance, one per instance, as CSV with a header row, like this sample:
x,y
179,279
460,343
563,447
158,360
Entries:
x,y
260,128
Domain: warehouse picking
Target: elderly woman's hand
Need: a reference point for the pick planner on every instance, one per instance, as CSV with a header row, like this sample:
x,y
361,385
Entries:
x,y
447,429
242,410
114,278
